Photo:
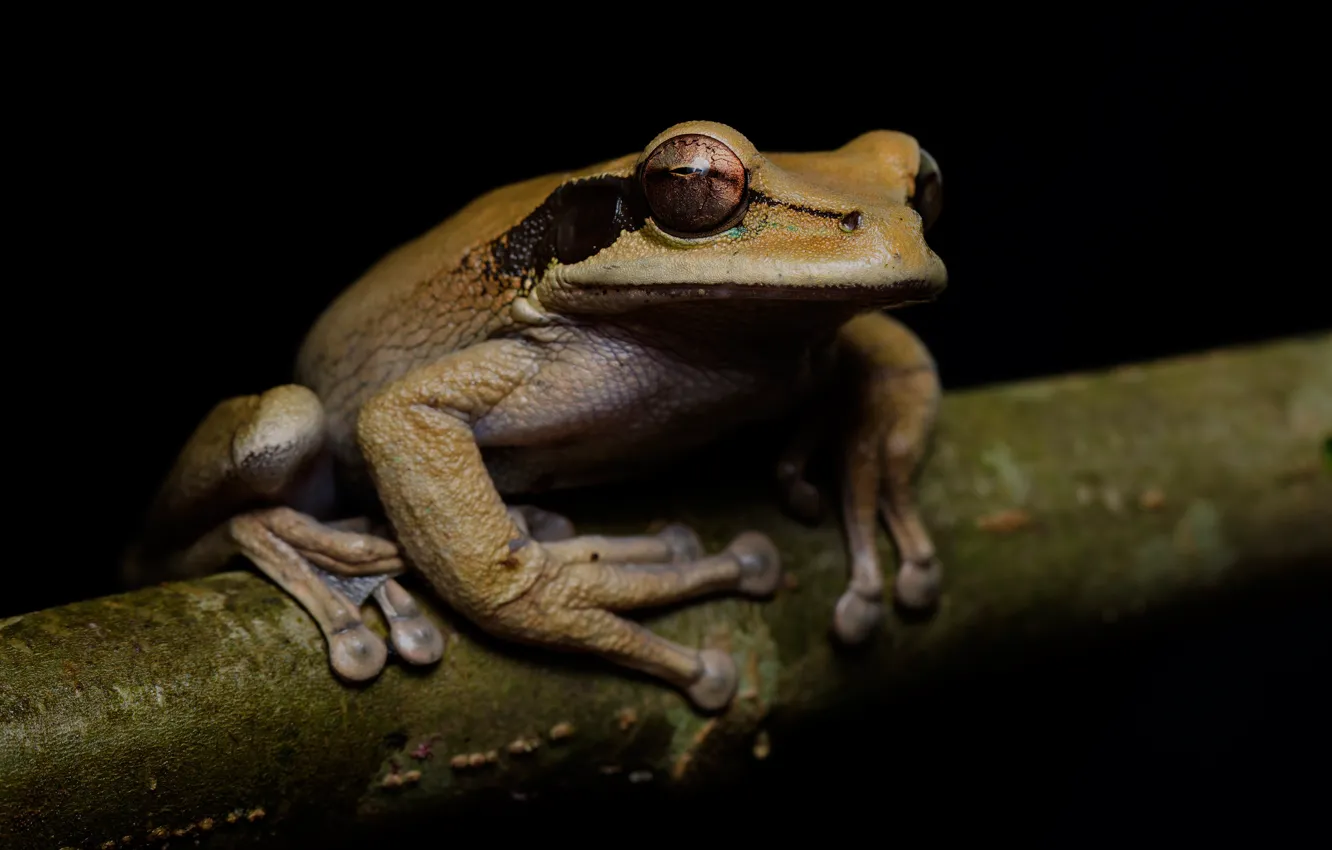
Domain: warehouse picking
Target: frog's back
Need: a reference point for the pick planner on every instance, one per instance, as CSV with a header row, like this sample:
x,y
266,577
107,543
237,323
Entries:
x,y
448,289
437,294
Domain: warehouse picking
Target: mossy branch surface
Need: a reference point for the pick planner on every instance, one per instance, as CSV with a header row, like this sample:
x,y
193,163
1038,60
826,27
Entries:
x,y
1062,507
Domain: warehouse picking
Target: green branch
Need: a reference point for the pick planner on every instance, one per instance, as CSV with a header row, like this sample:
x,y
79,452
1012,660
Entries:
x,y
1062,507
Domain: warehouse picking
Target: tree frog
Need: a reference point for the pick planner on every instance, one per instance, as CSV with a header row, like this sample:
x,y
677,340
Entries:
x,y
573,329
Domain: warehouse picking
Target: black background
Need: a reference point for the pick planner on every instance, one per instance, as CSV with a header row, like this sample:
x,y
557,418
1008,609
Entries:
x,y
194,201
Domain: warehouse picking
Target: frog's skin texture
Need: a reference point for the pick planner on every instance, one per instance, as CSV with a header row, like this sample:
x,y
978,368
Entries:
x,y
574,329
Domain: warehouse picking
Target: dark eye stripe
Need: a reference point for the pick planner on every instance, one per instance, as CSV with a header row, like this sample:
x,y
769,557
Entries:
x,y
580,219
575,222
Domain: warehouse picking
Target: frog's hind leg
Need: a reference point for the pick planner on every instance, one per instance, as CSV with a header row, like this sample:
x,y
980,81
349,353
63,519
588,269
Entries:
x,y
249,451
355,652
285,544
219,499
895,393
595,576
355,563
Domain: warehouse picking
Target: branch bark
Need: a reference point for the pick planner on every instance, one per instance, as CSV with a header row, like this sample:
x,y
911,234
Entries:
x,y
1062,507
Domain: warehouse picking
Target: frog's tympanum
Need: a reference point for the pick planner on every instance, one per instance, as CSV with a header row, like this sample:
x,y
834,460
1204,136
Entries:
x,y
574,329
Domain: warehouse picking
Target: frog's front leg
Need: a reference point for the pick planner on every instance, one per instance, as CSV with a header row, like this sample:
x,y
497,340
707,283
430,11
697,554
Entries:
x,y
893,390
419,438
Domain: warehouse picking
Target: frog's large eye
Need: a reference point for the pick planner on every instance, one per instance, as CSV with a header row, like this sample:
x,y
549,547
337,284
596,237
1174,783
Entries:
x,y
694,185
928,196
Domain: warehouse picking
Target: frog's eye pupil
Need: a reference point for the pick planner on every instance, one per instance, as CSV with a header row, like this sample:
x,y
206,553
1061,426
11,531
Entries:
x,y
694,185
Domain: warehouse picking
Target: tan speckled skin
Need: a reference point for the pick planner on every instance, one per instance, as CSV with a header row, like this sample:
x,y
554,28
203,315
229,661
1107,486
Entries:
x,y
446,384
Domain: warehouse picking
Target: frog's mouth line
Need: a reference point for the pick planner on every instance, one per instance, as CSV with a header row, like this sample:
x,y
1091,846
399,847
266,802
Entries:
x,y
889,295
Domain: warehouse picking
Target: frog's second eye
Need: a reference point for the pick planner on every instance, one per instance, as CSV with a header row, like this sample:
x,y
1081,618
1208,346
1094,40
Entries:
x,y
694,185
928,195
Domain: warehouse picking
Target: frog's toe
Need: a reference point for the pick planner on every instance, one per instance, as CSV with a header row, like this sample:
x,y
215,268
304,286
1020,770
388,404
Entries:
x,y
760,563
714,689
414,637
417,640
683,542
918,584
855,618
356,653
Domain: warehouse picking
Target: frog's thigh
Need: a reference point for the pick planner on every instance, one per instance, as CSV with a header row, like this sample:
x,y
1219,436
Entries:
x,y
895,394
247,449
247,446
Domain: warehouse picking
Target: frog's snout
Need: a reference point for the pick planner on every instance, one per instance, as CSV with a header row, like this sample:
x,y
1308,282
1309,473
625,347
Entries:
x,y
901,252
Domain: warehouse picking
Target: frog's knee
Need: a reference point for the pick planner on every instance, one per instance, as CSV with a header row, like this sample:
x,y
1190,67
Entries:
x,y
281,436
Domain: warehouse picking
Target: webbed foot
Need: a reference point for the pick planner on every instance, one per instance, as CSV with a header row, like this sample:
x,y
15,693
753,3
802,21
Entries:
x,y
585,580
894,393
332,570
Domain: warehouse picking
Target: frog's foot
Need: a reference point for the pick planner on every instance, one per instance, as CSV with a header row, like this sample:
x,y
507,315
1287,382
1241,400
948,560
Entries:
x,y
355,652
897,391
415,638
857,615
356,561
585,579
918,584
331,570
412,635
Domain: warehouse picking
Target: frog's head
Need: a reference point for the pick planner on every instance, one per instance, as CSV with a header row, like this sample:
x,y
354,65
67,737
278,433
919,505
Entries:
x,y
701,214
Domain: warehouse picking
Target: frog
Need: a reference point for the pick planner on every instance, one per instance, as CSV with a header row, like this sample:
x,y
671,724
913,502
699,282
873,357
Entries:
x,y
572,330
